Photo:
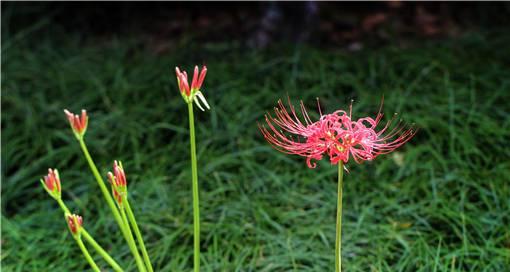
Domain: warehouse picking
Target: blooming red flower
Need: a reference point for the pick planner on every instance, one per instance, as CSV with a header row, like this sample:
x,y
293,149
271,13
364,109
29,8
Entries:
x,y
193,93
118,181
74,222
78,124
51,183
335,135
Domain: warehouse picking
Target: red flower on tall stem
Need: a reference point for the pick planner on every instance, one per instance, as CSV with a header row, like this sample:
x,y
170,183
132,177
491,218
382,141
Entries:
x,y
193,93
78,123
335,135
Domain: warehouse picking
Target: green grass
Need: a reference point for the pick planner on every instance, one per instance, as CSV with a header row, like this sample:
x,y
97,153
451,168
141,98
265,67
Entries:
x,y
444,207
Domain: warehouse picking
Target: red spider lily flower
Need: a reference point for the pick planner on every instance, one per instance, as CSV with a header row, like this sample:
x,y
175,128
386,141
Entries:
x,y
51,183
78,124
74,222
193,93
335,135
118,182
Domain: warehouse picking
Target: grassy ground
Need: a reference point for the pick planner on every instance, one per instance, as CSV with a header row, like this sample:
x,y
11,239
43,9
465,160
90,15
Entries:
x,y
442,203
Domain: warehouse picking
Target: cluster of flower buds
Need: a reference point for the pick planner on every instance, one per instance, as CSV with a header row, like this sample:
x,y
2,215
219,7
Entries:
x,y
193,93
51,183
118,181
74,222
78,123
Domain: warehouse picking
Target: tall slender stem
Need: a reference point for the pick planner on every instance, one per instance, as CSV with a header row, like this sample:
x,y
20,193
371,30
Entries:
x,y
87,255
194,177
63,206
101,183
109,200
141,244
101,251
91,240
338,244
131,242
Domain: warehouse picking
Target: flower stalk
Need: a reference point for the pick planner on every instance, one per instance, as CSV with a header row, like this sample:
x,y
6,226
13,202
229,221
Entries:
x,y
194,180
87,255
338,242
138,233
131,241
123,225
101,251
191,95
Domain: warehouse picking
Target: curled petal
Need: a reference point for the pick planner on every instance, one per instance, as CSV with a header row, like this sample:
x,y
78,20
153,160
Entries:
x,y
198,103
202,98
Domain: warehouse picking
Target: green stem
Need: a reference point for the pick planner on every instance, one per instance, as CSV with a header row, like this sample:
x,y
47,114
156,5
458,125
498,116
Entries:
x,y
338,244
100,181
128,236
131,242
138,233
91,240
194,176
87,255
63,206
101,251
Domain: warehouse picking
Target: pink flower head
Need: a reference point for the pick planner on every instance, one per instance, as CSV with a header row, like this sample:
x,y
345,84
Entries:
x,y
51,183
118,182
193,93
74,222
78,123
334,135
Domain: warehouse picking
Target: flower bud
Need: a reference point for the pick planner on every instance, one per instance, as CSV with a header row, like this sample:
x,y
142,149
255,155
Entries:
x,y
78,123
118,182
74,222
51,183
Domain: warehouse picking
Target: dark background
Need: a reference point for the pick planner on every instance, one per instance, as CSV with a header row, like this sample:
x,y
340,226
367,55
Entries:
x,y
258,24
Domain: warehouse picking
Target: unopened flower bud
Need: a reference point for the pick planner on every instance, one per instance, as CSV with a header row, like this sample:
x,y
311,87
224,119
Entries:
x,y
118,181
51,183
74,222
78,123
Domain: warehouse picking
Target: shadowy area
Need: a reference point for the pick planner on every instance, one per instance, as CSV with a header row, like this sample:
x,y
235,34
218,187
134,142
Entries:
x,y
350,25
